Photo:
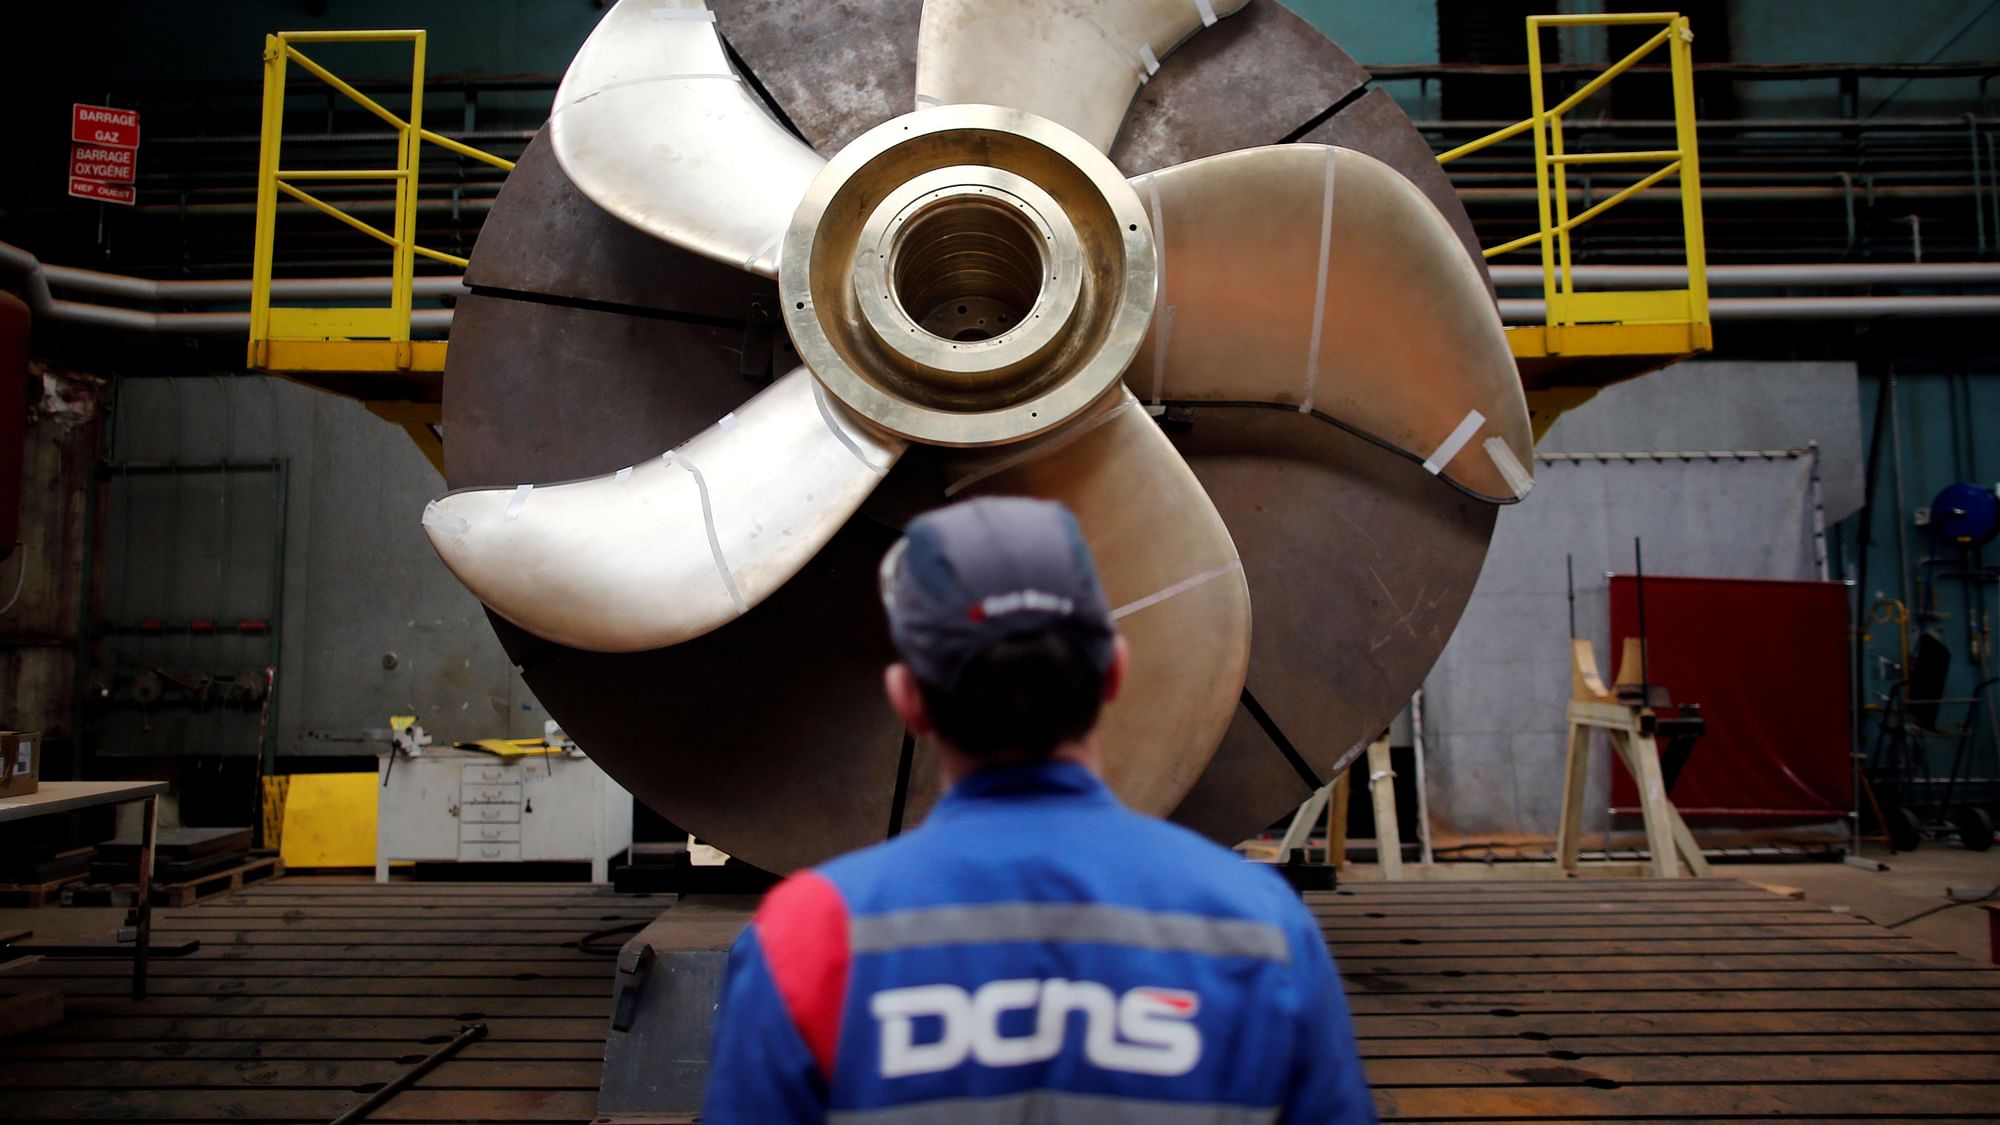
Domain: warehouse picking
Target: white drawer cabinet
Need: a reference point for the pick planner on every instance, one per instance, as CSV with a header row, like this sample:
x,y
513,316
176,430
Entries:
x,y
466,807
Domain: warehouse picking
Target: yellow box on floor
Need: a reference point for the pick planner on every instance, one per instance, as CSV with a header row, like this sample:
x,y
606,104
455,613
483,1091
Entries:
x,y
326,819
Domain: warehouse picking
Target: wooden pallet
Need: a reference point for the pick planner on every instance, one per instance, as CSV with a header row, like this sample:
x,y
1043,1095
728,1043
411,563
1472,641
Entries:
x,y
176,895
37,894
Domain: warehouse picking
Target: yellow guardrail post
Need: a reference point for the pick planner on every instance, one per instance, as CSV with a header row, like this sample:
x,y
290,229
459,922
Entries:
x,y
273,129
406,202
1539,117
1681,55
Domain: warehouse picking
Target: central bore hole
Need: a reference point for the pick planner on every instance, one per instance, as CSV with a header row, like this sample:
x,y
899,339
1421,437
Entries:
x,y
968,268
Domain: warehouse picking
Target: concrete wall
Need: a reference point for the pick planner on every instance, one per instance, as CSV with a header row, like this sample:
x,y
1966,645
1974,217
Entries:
x,y
371,623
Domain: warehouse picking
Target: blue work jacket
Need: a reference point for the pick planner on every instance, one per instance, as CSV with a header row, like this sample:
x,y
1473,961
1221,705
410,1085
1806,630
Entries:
x,y
1034,952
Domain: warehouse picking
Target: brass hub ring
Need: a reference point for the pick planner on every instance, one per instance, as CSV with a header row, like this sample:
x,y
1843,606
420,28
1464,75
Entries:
x,y
968,275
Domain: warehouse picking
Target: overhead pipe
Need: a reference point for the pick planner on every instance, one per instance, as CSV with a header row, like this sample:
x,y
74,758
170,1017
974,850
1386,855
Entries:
x,y
36,279
1524,311
71,279
1828,275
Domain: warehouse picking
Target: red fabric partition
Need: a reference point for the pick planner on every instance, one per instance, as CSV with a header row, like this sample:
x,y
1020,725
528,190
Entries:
x,y
1767,661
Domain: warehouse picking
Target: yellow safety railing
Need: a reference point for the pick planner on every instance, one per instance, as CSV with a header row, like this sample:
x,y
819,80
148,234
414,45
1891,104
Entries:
x,y
1643,322
345,339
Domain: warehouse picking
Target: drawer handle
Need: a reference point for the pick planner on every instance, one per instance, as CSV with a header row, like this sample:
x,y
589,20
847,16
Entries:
x,y
490,853
489,833
489,814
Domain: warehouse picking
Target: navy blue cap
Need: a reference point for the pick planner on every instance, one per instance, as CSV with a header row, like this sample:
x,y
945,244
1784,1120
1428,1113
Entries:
x,y
967,576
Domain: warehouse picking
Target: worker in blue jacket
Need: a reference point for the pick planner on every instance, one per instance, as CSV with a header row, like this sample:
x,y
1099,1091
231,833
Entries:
x,y
1034,952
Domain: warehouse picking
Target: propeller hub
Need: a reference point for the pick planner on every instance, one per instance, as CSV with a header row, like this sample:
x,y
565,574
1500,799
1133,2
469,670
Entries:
x,y
968,275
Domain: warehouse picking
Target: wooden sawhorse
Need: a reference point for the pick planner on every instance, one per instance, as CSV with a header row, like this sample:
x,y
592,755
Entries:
x,y
1630,727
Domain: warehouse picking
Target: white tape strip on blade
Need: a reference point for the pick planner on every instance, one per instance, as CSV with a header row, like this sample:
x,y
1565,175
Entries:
x,y
1038,449
924,100
708,524
1162,320
444,521
1510,466
1455,441
1207,11
1319,288
1149,59
623,474
697,15
727,421
519,502
1176,590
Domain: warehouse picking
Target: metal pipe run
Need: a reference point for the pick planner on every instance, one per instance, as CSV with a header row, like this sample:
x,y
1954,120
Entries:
x,y
1817,275
37,280
1529,311
71,279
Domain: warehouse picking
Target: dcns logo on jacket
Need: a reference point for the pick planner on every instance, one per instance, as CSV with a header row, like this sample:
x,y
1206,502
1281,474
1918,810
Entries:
x,y
1145,1031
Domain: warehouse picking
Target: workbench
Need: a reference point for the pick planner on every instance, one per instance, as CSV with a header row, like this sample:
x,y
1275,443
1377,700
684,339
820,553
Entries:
x,y
73,796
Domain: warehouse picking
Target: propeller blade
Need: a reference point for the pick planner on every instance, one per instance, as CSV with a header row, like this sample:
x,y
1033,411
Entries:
x,y
667,550
1077,64
1320,278
1170,570
655,127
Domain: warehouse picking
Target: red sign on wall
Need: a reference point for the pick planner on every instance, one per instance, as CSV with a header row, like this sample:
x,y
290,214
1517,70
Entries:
x,y
103,164
104,125
109,193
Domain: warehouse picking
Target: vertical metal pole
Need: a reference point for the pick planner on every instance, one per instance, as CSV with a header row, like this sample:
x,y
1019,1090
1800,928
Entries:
x,y
1552,334
1896,478
406,202
1559,188
267,200
143,939
1854,762
1978,192
1680,52
1569,573
1423,795
1639,592
281,490
1818,514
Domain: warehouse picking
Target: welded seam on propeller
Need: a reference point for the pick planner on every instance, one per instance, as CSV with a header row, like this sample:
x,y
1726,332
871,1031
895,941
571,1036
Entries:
x,y
757,87
1319,289
1037,450
840,431
628,83
591,304
1163,313
1323,116
1278,739
708,525
1176,590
